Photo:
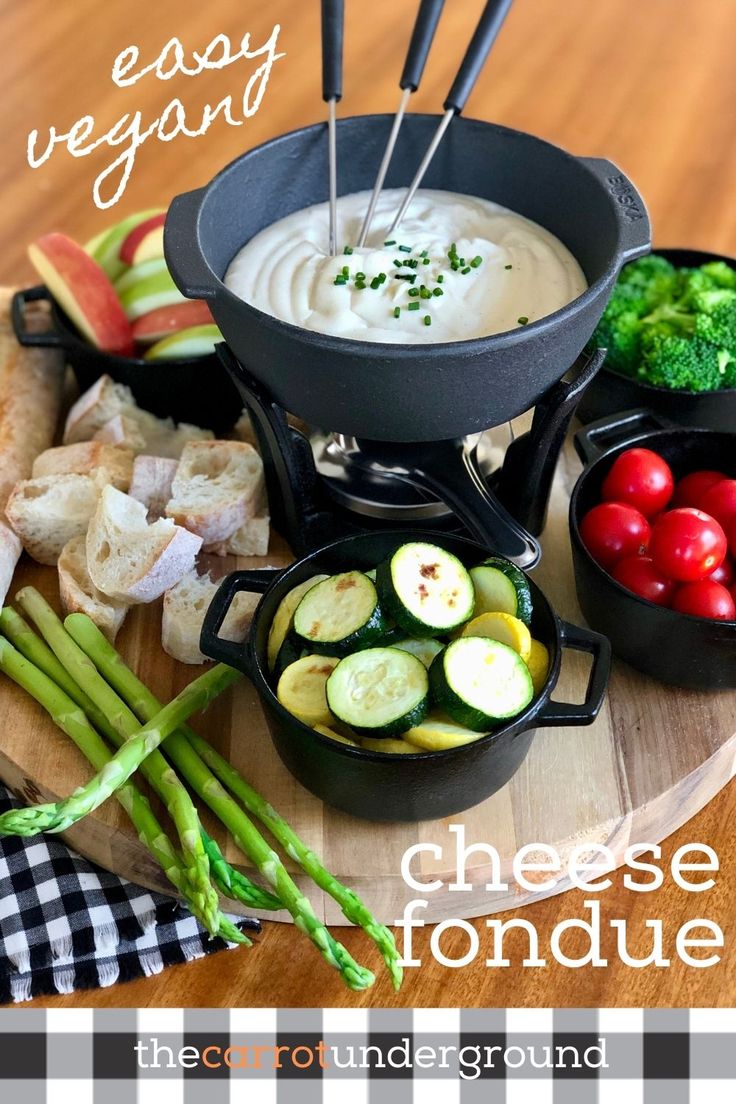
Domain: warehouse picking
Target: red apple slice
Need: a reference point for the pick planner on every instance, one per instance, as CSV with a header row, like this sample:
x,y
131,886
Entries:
x,y
105,247
83,291
137,236
194,342
151,247
158,324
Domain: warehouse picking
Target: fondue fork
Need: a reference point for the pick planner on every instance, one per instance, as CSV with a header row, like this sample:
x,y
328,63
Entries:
x,y
427,19
333,19
485,35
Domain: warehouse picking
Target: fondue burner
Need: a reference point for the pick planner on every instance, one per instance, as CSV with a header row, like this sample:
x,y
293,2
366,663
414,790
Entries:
x,y
322,486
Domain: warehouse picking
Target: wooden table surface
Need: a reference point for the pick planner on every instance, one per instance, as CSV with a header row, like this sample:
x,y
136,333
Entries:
x,y
650,86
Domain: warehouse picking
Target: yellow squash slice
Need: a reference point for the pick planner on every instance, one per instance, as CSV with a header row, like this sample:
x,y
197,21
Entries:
x,y
438,733
538,664
285,615
503,627
301,689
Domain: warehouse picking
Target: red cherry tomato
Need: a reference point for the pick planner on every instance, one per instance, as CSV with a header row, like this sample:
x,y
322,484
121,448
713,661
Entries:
x,y
720,501
639,575
731,534
687,545
723,574
614,530
690,489
705,599
641,479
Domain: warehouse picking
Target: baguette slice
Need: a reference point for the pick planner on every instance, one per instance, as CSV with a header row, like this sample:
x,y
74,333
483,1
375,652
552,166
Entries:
x,y
216,488
185,606
10,550
151,483
47,512
107,463
250,539
92,410
130,560
80,595
122,431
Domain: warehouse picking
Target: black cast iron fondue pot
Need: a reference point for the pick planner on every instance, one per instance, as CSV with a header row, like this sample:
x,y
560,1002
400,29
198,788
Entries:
x,y
692,652
370,784
397,392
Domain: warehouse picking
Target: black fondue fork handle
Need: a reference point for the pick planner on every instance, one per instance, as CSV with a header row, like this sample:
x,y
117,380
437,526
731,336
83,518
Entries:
x,y
333,21
485,35
421,40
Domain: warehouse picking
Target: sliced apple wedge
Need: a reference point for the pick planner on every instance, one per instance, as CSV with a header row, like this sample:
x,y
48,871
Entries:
x,y
149,294
83,291
134,275
144,241
105,249
161,323
194,342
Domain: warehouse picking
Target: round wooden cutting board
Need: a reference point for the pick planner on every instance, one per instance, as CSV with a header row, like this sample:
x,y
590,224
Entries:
x,y
654,757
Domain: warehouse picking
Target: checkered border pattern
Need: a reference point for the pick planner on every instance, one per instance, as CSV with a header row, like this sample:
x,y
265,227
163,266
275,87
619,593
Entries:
x,y
652,1056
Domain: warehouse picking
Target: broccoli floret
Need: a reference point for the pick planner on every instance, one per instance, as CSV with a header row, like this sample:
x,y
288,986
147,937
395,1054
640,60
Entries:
x,y
721,274
679,363
653,277
719,324
620,335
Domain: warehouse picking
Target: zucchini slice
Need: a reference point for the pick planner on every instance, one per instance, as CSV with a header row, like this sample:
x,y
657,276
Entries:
x,y
494,591
502,626
389,747
379,691
425,649
284,615
538,664
479,682
438,733
426,590
520,583
301,689
341,614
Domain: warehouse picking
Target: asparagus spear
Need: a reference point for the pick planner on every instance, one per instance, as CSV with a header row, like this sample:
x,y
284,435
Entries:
x,y
71,720
243,831
145,705
155,768
60,815
230,882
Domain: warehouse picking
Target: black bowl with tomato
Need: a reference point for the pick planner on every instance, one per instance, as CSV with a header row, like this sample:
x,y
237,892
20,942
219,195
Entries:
x,y
648,583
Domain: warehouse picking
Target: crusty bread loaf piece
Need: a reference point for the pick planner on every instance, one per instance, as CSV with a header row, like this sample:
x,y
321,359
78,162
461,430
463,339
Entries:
x,y
130,560
151,483
250,539
104,399
123,432
10,550
216,488
165,439
47,512
80,595
244,430
185,606
107,463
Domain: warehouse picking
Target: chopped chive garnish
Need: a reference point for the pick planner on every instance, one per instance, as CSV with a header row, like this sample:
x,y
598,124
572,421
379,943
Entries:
x,y
466,270
414,292
392,242
339,280
426,260
375,283
345,271
437,291
382,277
424,253
348,250
414,306
425,293
523,320
476,261
455,266
404,249
411,263
405,276
399,264
397,312
507,267
427,320
360,285
440,279
360,275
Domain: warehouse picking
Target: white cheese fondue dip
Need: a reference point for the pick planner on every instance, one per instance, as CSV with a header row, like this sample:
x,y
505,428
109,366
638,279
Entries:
x,y
477,269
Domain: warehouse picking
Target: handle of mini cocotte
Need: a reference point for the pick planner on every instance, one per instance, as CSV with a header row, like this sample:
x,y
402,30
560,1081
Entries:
x,y
47,339
635,231
210,642
183,250
555,714
597,438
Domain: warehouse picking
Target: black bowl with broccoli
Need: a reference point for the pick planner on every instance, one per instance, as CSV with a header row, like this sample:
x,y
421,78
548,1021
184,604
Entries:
x,y
670,331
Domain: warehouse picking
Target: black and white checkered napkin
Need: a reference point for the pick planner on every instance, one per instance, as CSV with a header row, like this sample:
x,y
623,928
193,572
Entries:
x,y
65,924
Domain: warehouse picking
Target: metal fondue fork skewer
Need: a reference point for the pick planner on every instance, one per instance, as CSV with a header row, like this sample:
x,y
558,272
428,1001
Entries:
x,y
333,19
419,46
485,34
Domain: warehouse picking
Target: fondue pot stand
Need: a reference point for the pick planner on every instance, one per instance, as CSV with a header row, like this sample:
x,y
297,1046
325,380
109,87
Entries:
x,y
399,787
403,392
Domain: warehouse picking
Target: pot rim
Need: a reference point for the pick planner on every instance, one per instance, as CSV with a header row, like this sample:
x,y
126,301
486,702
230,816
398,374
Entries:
x,y
577,540
396,351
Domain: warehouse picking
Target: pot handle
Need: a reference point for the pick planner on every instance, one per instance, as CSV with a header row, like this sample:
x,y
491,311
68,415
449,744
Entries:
x,y
47,339
227,651
635,231
554,713
597,438
182,250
